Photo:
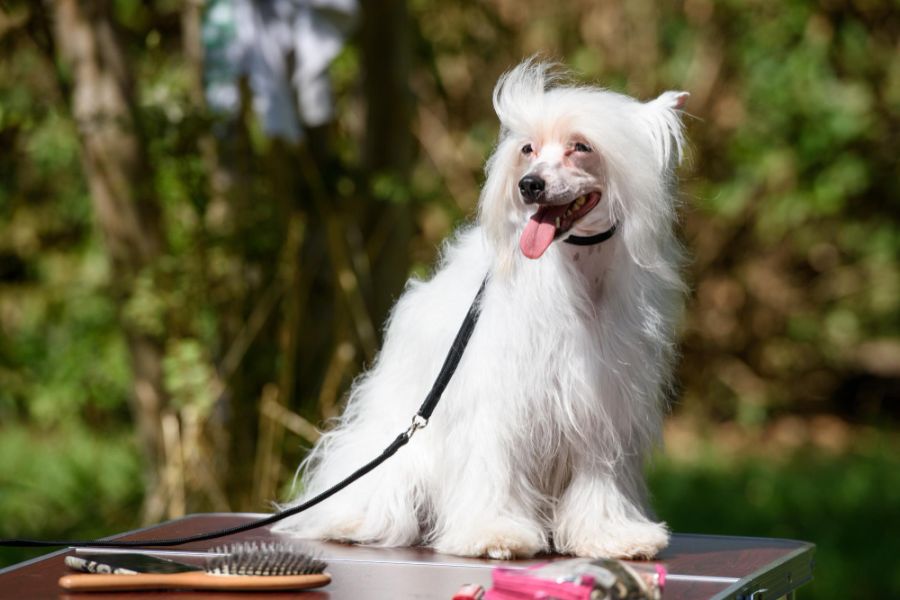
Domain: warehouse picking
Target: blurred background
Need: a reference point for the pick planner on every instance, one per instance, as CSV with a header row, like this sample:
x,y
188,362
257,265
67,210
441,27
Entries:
x,y
207,209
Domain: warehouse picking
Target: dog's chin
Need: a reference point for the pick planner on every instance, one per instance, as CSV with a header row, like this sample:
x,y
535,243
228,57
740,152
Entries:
x,y
551,221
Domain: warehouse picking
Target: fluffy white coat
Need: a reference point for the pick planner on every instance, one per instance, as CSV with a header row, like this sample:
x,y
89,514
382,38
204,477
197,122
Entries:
x,y
540,438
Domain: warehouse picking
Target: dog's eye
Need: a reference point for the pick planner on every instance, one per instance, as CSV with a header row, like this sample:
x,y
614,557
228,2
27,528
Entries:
x,y
527,149
582,147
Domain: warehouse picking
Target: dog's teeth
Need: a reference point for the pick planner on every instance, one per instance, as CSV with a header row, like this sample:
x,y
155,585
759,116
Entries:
x,y
557,222
580,202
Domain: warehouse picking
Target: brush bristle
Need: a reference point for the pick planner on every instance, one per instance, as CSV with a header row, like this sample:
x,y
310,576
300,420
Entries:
x,y
263,558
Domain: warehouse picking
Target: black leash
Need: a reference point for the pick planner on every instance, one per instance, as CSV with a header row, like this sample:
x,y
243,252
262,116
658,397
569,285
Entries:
x,y
419,421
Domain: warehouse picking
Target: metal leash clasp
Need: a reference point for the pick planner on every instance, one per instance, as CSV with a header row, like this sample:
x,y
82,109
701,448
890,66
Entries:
x,y
418,422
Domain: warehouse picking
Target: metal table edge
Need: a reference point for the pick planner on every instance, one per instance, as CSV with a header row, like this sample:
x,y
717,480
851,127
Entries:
x,y
776,579
743,537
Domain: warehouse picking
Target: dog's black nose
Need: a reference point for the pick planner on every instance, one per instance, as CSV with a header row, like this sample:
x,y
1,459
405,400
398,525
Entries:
x,y
532,188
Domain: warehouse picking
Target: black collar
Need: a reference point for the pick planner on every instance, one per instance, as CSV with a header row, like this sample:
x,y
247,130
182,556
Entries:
x,y
590,240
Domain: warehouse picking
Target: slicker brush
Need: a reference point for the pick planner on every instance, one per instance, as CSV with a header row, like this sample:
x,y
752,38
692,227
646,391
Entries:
x,y
236,567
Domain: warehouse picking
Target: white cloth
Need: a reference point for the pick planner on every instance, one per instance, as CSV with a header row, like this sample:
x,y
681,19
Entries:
x,y
254,38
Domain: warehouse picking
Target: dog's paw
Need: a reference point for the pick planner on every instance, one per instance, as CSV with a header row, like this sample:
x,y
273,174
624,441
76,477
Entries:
x,y
630,540
369,529
344,528
348,529
501,540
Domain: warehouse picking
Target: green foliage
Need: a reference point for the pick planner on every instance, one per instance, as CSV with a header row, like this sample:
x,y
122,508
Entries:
x,y
793,154
389,189
188,376
67,482
844,503
61,356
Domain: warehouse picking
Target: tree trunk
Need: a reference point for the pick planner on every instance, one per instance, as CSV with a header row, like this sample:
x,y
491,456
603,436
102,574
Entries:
x,y
124,203
386,63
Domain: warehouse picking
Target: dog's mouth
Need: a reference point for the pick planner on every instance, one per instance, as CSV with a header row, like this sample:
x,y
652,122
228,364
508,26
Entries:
x,y
551,221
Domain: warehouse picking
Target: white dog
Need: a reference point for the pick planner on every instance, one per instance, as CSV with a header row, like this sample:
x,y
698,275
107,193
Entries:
x,y
539,441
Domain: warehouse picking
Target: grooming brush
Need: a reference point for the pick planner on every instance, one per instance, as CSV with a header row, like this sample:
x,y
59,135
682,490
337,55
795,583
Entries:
x,y
236,567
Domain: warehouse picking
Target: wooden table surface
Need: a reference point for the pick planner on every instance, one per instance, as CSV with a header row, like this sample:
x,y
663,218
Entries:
x,y
700,567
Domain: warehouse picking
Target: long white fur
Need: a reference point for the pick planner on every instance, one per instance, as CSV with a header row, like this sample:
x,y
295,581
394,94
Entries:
x,y
542,433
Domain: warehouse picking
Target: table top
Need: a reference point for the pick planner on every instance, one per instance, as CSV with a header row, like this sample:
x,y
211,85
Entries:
x,y
700,567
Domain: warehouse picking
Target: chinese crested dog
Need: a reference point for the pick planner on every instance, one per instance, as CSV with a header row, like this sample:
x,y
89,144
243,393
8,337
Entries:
x,y
540,439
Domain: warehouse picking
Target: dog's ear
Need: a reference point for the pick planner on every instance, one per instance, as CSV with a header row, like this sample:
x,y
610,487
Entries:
x,y
673,100
663,120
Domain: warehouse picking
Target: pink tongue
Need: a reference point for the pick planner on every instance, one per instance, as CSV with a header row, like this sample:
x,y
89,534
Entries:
x,y
540,230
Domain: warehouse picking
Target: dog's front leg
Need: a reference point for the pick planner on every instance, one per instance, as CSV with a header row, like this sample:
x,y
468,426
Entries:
x,y
482,509
377,509
601,515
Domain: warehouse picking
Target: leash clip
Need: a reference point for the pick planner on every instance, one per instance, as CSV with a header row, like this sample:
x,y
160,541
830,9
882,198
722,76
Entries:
x,y
418,422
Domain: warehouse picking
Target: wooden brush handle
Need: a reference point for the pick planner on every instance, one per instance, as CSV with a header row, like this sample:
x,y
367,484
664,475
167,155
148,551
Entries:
x,y
94,582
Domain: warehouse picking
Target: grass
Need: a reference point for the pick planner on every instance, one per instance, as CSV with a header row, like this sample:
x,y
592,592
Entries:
x,y
64,484
847,503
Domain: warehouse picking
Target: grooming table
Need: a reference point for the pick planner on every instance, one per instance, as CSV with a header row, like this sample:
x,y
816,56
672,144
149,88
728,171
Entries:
x,y
700,567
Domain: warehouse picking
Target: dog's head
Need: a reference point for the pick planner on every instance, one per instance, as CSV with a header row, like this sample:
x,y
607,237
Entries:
x,y
580,159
